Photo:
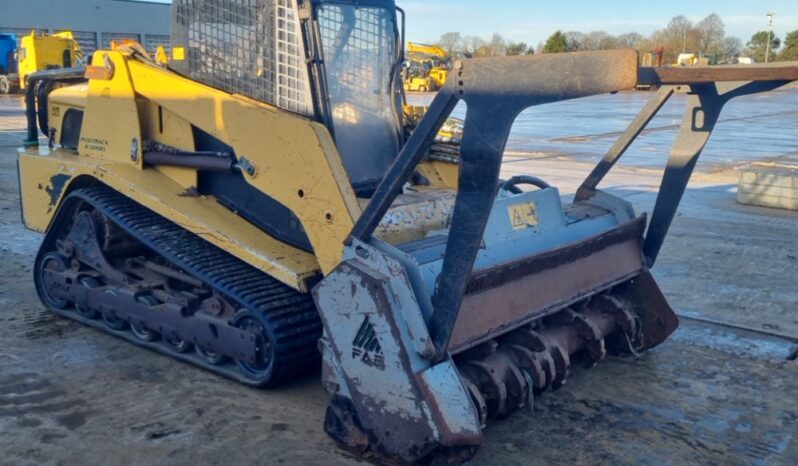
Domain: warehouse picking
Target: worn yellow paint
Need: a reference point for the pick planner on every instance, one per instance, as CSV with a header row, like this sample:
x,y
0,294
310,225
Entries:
x,y
295,158
522,215
47,176
185,177
443,175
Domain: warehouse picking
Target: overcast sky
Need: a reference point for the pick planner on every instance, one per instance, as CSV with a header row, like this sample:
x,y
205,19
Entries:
x,y
532,21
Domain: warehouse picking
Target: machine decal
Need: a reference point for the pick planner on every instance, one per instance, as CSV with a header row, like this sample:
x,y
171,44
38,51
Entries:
x,y
94,144
522,215
178,53
366,347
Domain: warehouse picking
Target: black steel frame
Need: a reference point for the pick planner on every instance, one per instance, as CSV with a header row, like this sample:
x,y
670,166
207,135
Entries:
x,y
705,101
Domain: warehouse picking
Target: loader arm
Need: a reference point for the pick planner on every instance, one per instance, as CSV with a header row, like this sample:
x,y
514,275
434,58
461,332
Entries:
x,y
428,50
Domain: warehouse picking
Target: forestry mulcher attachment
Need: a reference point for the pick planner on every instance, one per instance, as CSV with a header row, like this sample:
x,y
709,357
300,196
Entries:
x,y
255,207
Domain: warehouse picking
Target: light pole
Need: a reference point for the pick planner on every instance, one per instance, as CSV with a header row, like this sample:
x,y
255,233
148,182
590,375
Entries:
x,y
770,34
684,40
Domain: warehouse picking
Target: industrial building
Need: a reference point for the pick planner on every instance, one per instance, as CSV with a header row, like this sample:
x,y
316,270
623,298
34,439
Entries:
x,y
95,23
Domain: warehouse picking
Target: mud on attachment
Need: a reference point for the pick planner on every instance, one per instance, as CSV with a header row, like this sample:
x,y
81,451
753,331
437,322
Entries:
x,y
341,423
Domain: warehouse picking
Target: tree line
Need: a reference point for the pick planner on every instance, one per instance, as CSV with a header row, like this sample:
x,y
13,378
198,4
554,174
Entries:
x,y
706,38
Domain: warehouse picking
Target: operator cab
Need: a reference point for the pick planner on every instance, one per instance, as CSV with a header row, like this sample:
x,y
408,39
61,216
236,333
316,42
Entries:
x,y
350,82
362,60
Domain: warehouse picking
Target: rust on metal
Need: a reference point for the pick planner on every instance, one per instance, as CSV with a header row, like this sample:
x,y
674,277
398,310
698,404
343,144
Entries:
x,y
571,74
504,374
709,74
511,295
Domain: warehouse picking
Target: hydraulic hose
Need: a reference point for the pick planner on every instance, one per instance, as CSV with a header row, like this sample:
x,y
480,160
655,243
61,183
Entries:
x,y
512,184
68,75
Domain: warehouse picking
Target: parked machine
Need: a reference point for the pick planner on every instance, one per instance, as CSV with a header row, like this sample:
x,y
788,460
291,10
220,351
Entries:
x,y
426,68
36,52
40,51
692,59
257,213
9,78
654,58
416,79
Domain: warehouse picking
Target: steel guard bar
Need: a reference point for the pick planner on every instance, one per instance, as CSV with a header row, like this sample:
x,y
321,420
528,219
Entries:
x,y
708,90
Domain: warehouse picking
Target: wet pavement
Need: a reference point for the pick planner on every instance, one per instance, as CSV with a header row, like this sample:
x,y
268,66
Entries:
x,y
712,394
762,126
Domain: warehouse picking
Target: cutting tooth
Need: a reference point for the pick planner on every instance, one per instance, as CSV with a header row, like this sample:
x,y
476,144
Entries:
x,y
504,375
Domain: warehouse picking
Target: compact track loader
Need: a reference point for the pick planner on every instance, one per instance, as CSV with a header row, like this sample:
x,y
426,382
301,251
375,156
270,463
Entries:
x,y
256,209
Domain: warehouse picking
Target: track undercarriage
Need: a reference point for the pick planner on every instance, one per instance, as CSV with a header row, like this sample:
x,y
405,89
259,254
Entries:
x,y
114,265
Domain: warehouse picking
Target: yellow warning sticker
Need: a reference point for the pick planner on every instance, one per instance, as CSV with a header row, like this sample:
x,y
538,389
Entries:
x,y
522,215
178,53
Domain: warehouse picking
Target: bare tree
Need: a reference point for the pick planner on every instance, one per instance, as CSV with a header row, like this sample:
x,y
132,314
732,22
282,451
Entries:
x,y
574,40
598,40
680,31
451,42
711,35
732,48
497,46
471,44
679,36
518,48
630,40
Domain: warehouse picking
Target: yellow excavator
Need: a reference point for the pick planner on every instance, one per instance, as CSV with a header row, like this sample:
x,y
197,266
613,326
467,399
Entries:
x,y
427,67
269,212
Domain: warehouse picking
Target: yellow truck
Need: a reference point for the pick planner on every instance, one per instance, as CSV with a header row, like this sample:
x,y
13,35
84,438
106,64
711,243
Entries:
x,y
45,52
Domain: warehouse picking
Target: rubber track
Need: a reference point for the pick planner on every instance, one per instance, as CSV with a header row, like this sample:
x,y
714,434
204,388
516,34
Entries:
x,y
291,314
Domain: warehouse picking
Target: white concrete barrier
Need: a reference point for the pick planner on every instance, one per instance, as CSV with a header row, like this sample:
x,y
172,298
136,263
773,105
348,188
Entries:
x,y
769,185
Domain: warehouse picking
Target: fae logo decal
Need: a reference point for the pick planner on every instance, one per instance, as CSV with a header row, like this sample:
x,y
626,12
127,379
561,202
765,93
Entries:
x,y
366,348
523,215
